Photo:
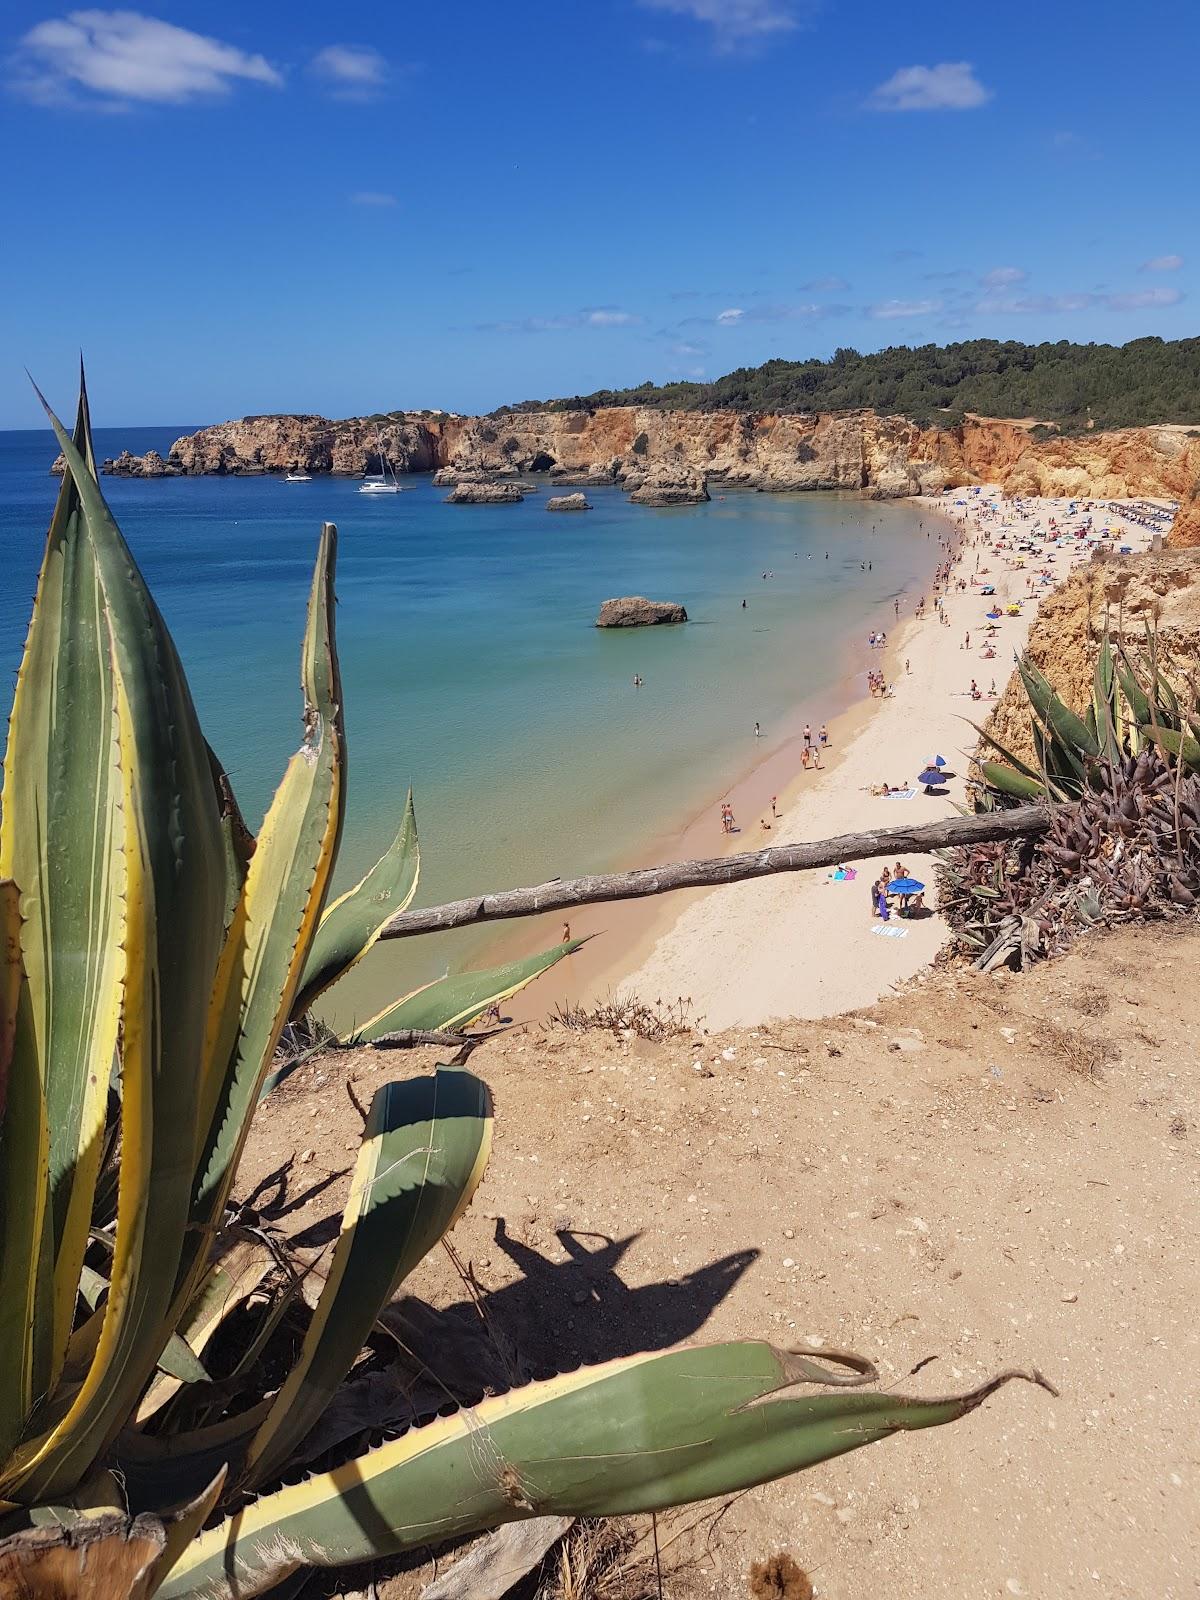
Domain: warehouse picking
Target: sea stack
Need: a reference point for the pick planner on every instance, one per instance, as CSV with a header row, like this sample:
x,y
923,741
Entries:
x,y
484,494
671,484
568,502
635,611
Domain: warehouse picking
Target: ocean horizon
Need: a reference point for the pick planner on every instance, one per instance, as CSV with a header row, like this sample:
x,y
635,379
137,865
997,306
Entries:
x,y
472,667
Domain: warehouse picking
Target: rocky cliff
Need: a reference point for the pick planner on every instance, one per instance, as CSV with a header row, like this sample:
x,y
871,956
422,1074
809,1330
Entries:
x,y
855,450
412,442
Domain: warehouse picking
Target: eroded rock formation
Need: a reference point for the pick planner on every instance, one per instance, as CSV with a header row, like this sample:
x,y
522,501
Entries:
x,y
635,611
855,450
669,483
481,493
567,502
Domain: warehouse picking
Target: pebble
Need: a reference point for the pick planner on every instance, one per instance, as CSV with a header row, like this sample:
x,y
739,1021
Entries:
x,y
1069,1297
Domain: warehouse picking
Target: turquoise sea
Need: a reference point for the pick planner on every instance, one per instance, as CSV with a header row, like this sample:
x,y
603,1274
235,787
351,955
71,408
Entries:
x,y
472,669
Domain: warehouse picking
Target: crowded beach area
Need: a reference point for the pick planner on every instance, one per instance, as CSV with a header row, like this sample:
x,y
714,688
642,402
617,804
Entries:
x,y
814,944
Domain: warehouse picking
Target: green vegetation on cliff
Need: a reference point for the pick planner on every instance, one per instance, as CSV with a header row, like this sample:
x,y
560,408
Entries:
x,y
1112,386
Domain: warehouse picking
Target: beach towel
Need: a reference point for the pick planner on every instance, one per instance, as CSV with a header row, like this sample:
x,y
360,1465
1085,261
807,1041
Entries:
x,y
889,932
899,794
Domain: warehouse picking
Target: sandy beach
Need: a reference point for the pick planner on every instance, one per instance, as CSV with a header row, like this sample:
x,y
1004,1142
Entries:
x,y
808,945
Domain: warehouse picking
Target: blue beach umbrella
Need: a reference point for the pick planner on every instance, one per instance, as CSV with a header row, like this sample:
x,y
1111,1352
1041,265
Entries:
x,y
929,777
905,886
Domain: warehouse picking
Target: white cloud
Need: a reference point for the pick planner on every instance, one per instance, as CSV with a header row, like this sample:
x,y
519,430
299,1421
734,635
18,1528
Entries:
x,y
372,197
903,308
1001,277
730,317
1058,304
609,317
589,317
950,86
350,71
687,351
115,57
1163,264
1142,299
734,22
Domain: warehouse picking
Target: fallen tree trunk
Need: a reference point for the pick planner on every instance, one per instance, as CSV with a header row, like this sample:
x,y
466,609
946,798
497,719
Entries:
x,y
562,894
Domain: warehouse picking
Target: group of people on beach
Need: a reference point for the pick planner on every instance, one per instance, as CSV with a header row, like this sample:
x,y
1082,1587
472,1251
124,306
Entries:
x,y
909,904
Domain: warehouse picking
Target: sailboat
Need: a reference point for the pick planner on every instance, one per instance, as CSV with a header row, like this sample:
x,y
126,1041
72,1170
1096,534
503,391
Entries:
x,y
380,482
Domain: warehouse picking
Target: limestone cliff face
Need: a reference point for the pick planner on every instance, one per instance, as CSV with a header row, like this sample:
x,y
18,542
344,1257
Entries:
x,y
855,450
1129,591
411,442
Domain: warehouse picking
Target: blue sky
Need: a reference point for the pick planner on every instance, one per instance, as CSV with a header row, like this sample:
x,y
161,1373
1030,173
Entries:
x,y
304,207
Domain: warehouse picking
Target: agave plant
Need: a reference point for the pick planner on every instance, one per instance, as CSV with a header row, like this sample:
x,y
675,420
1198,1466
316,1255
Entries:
x,y
152,954
1132,708
1123,782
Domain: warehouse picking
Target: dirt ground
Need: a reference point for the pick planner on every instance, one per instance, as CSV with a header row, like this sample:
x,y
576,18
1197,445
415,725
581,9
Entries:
x,y
989,1172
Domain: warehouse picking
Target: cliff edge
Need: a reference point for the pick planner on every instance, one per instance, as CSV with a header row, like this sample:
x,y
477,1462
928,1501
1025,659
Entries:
x,y
883,456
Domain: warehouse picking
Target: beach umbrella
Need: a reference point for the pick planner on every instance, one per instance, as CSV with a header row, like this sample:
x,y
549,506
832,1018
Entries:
x,y
929,777
905,886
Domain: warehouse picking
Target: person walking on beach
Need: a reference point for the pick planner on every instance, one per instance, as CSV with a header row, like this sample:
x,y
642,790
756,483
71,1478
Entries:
x,y
774,807
823,735
566,933
807,735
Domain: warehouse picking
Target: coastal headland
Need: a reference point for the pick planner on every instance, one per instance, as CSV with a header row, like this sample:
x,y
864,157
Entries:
x,y
862,451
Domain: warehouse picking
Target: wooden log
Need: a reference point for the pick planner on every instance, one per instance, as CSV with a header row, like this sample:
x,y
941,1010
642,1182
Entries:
x,y
562,894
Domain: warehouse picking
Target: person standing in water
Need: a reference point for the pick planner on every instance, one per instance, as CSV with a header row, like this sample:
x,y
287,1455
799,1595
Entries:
x,y
757,731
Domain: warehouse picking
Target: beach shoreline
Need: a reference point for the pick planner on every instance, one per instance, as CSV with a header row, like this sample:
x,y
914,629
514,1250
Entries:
x,y
622,934
746,952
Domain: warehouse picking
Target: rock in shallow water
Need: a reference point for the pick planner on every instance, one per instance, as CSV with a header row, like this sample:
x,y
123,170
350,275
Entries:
x,y
671,484
567,502
484,494
635,611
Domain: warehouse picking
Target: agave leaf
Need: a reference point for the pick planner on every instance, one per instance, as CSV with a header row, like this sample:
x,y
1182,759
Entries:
x,y
1012,760
182,1528
1106,703
172,898
226,1286
634,1435
26,1242
424,1150
1014,784
58,820
352,924
1176,744
236,836
12,976
453,1001
1131,688
268,941
1059,720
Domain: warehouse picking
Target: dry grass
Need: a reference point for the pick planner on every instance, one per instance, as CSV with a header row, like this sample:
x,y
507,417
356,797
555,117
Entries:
x,y
627,1015
1091,1002
1077,1051
605,1560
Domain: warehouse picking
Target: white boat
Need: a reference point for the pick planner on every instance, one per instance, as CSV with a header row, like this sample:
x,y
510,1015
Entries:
x,y
380,482
297,477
